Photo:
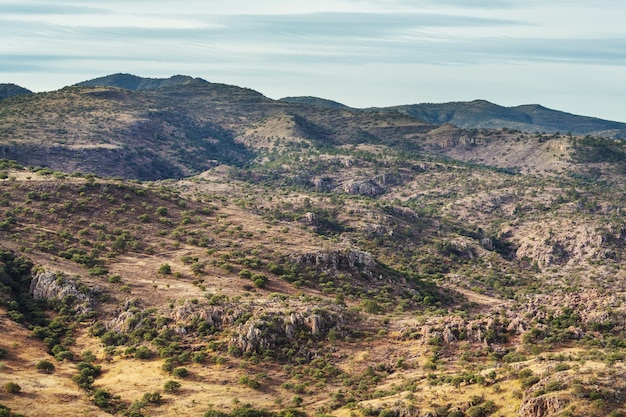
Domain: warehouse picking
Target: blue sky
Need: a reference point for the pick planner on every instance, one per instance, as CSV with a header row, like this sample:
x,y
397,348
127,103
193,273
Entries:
x,y
566,55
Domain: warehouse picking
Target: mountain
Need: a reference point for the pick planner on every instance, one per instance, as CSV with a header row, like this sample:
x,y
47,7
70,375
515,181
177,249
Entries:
x,y
133,82
314,101
10,90
202,250
527,118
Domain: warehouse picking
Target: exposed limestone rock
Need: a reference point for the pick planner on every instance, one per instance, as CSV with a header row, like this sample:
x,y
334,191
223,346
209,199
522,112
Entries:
x,y
487,243
273,331
310,218
378,230
322,184
363,187
448,336
353,261
49,286
543,406
402,212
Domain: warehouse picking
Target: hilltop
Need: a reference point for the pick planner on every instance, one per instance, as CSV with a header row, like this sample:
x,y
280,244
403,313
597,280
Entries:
x,y
200,249
10,90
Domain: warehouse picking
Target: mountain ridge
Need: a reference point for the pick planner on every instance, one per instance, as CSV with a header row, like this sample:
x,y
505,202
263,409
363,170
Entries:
x,y
464,114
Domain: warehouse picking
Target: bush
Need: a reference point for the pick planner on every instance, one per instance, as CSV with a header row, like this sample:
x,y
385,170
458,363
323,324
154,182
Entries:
x,y
114,279
512,357
171,386
102,398
143,352
370,306
249,382
260,281
215,413
530,381
245,273
524,373
45,367
165,269
3,353
12,388
180,372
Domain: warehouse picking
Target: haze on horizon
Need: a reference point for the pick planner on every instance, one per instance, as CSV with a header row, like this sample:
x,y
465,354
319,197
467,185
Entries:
x,y
569,56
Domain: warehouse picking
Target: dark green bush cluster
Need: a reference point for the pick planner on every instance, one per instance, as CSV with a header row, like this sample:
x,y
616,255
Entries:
x,y
87,374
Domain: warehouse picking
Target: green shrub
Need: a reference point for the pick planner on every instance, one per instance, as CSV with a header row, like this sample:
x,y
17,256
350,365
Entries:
x,y
530,381
370,306
143,352
249,382
245,273
171,386
12,388
215,413
114,279
45,367
165,269
180,372
512,357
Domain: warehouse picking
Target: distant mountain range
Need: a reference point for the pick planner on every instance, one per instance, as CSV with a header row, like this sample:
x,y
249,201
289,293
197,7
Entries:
x,y
527,118
483,114
468,115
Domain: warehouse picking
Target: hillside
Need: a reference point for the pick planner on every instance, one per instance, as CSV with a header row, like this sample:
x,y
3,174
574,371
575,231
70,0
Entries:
x,y
240,256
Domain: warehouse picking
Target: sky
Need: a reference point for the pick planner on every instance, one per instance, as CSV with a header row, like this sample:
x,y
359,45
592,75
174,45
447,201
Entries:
x,y
565,55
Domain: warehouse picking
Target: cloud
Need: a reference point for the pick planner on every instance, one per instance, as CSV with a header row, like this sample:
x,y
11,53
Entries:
x,y
25,8
346,44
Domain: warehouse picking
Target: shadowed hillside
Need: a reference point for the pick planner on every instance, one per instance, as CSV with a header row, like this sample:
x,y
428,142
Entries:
x,y
10,90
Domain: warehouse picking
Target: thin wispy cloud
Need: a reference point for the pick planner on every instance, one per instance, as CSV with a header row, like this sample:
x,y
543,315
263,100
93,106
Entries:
x,y
304,47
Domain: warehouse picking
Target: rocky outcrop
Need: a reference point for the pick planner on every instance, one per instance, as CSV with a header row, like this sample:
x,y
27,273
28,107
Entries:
x,y
352,260
274,331
49,286
322,184
543,406
363,187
